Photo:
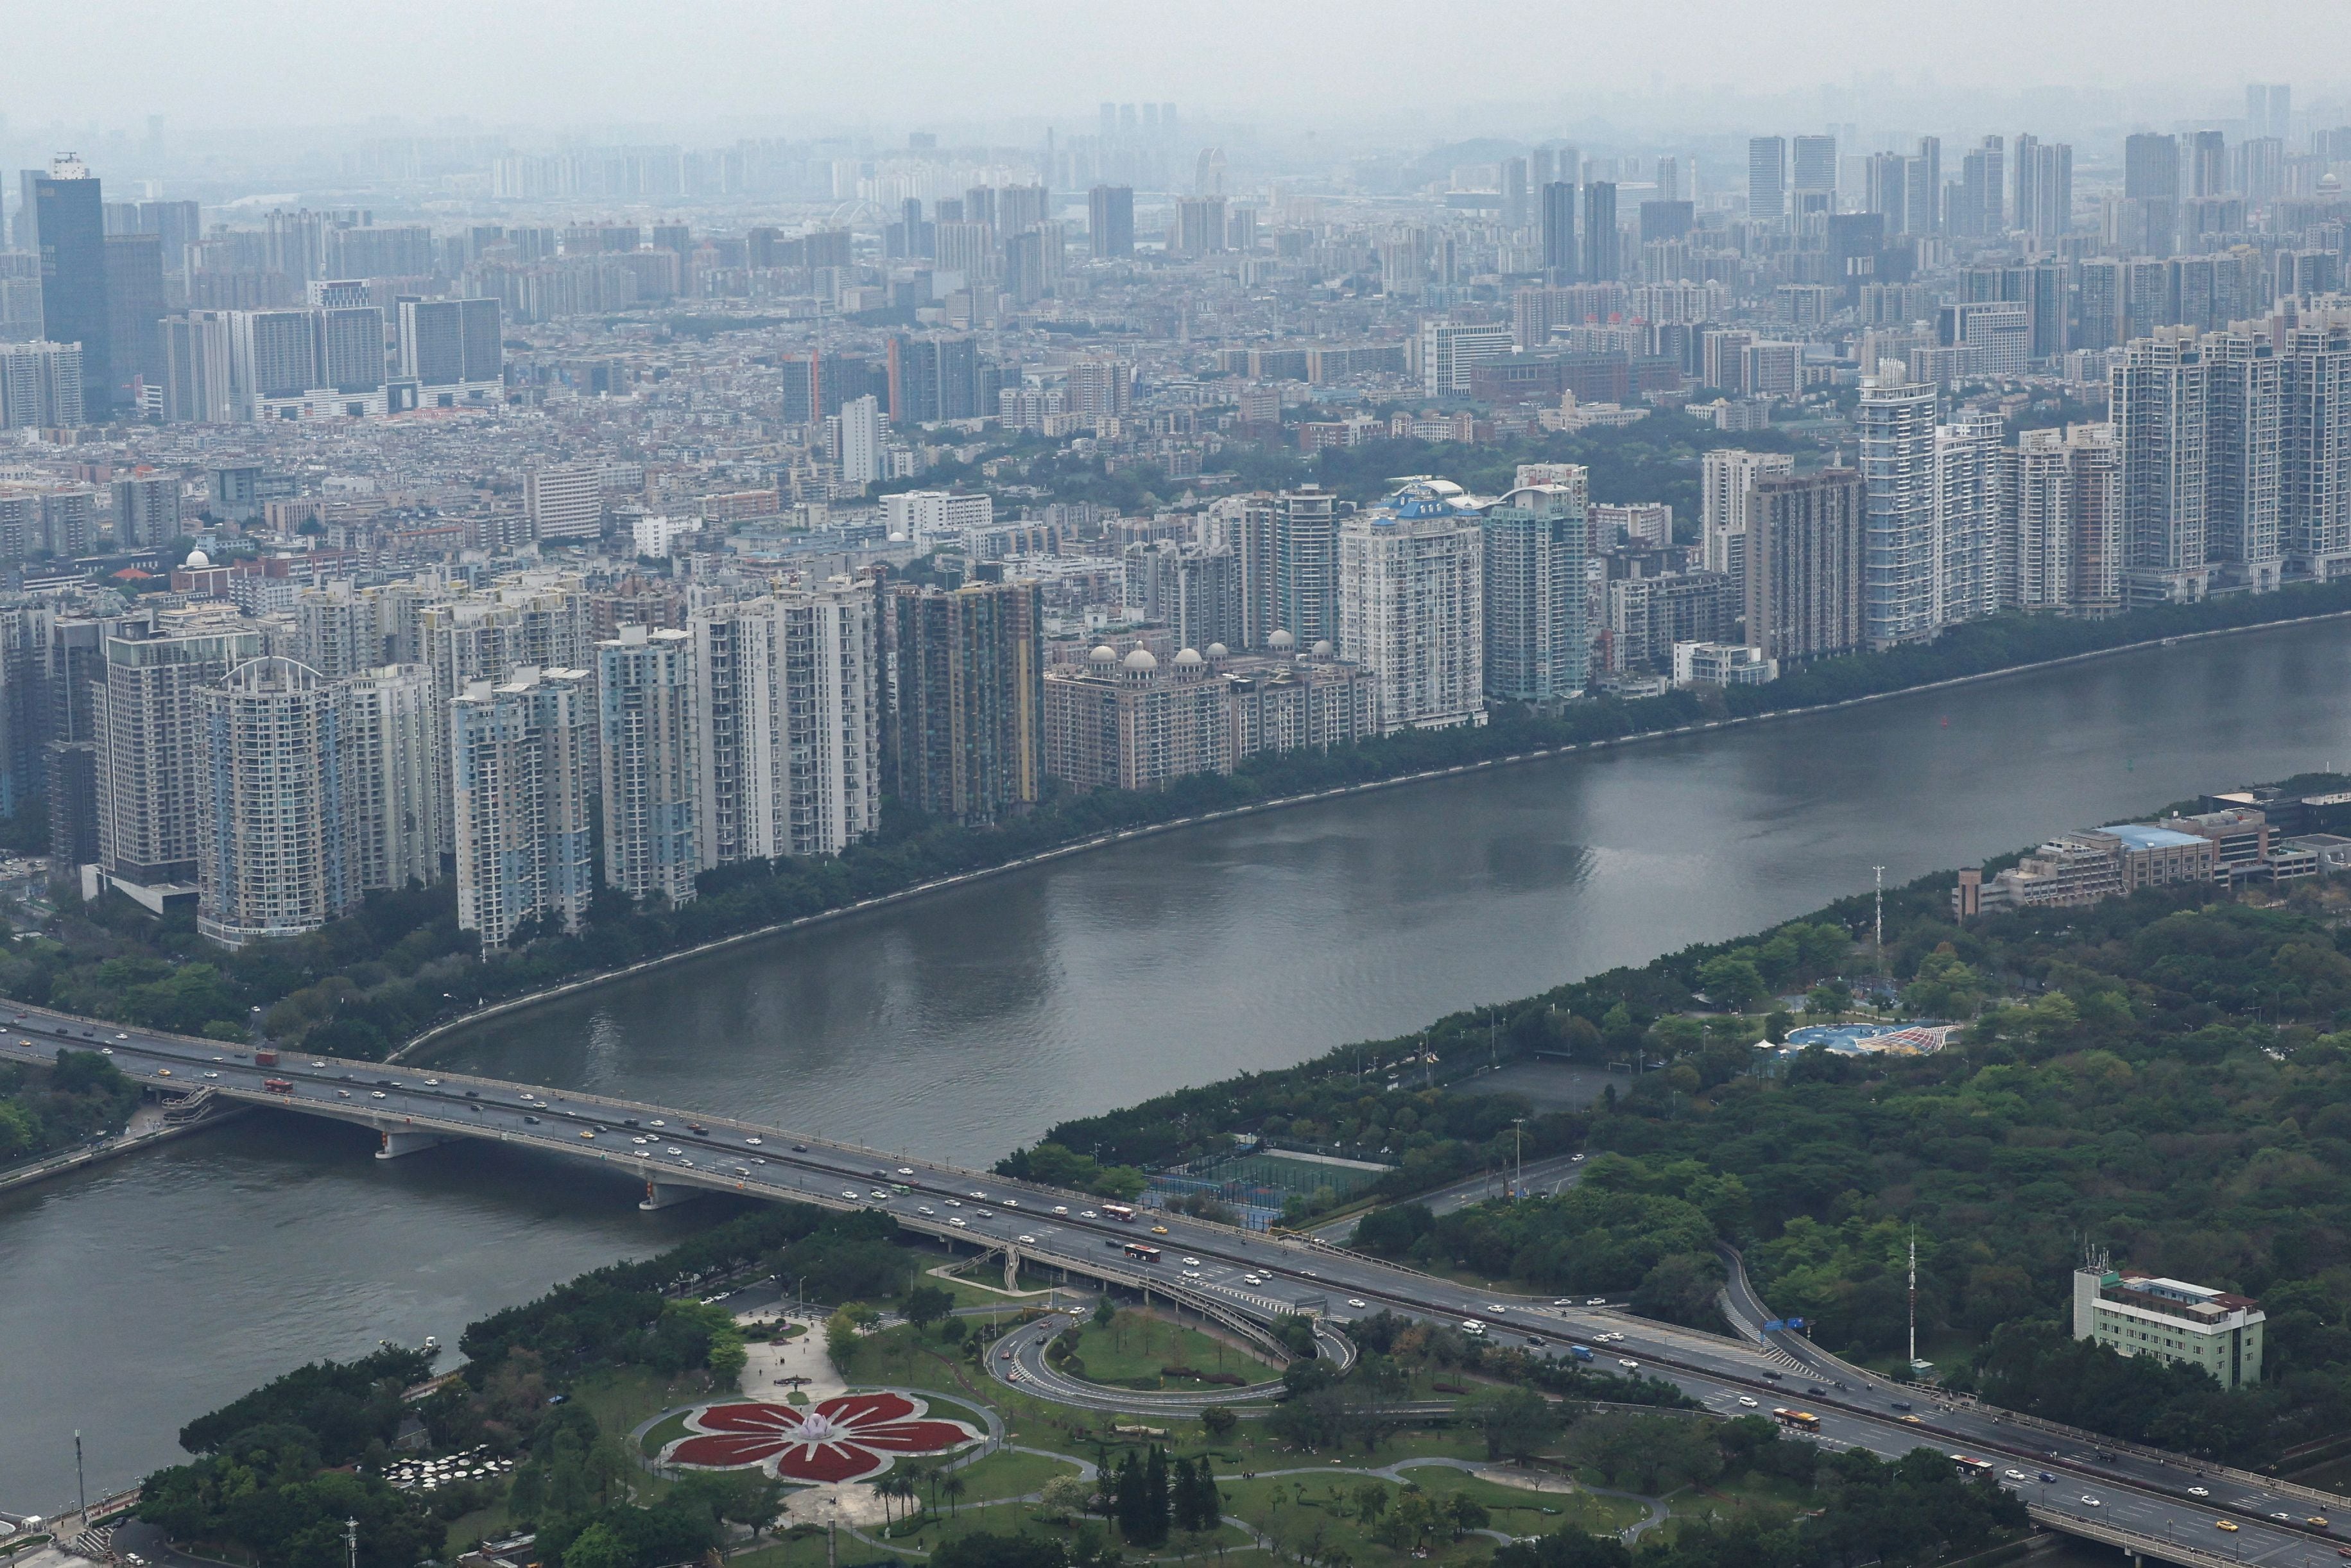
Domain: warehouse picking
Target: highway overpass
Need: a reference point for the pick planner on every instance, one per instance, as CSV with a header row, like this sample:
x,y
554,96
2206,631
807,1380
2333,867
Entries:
x,y
2143,1502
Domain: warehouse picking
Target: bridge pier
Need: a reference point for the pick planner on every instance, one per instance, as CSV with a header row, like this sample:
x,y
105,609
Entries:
x,y
397,1144
1012,1266
666,1195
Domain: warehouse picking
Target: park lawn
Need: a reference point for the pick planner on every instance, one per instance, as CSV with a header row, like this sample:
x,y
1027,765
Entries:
x,y
928,1533
469,1529
1521,1510
662,1433
1308,1523
1137,1345
621,1396
1007,1474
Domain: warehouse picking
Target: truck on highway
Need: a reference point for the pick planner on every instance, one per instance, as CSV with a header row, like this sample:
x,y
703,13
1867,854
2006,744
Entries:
x,y
1581,1352
265,1058
278,1085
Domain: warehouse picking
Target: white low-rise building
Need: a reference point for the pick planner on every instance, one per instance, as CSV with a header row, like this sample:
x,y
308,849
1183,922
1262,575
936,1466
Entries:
x,y
2145,1315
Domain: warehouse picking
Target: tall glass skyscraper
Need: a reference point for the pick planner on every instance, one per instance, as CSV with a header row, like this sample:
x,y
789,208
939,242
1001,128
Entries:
x,y
68,221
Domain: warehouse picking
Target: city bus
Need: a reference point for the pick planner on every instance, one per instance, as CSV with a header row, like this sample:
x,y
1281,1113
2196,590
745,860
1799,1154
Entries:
x,y
1969,1466
1117,1211
1142,1251
1800,1420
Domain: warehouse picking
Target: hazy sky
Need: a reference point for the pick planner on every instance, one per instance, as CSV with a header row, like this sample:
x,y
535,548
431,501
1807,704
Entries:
x,y
899,63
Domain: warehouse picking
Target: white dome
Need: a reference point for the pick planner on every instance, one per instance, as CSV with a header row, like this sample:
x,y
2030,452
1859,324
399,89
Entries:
x,y
1189,659
897,538
1219,651
1281,640
1322,650
198,559
1105,654
1140,659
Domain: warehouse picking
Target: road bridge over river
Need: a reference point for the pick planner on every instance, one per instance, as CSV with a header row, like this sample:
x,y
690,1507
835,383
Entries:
x,y
1242,1280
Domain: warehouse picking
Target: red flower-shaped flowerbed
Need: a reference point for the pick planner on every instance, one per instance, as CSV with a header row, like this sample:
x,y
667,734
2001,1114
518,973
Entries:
x,y
844,1440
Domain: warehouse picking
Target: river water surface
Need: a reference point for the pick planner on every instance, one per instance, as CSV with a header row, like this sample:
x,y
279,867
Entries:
x,y
138,1295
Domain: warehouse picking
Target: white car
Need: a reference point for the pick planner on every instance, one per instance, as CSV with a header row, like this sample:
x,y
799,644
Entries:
x,y
1628,1363
1495,1307
1562,1301
2089,1501
1191,1273
954,1203
674,1149
982,1214
1354,1302
1471,1325
2014,1475
753,1142
1595,1301
1011,1203
922,1208
2197,1491
902,1170
373,1094
1086,1214
1576,1159
958,1224
432,1083
1746,1402
317,1064
980,1195
1191,1262
1061,1208
657,1122
640,1140
1028,1242
844,1191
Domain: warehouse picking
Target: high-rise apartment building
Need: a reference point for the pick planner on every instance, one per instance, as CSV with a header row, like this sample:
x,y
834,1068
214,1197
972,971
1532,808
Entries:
x,y
1411,606
565,502
63,219
146,508
1767,177
390,744
1557,201
453,350
1110,220
2151,192
1805,541
1538,647
154,791
2065,506
648,743
2157,398
41,386
966,719
788,710
2044,187
522,757
1974,560
272,848
861,441
2315,447
2243,500
1727,477
1895,427
1602,262
134,317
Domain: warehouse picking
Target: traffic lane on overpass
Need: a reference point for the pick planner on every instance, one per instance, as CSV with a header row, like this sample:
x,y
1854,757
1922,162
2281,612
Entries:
x,y
1547,1176
507,1110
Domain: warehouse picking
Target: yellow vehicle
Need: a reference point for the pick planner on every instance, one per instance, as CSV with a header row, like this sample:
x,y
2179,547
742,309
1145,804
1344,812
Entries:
x,y
589,1134
1158,1230
2316,1520
2228,1524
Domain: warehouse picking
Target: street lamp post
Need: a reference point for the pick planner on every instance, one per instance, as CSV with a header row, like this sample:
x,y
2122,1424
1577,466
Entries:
x,y
81,1488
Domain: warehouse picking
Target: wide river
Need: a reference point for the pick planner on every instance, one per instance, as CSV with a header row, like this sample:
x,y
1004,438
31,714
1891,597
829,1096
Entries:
x,y
146,1291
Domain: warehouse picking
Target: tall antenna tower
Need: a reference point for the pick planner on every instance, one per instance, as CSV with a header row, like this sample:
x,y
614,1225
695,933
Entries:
x,y
1914,1296
1877,924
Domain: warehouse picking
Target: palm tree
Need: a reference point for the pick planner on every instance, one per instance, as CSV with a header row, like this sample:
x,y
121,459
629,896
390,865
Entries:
x,y
886,1488
954,1486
